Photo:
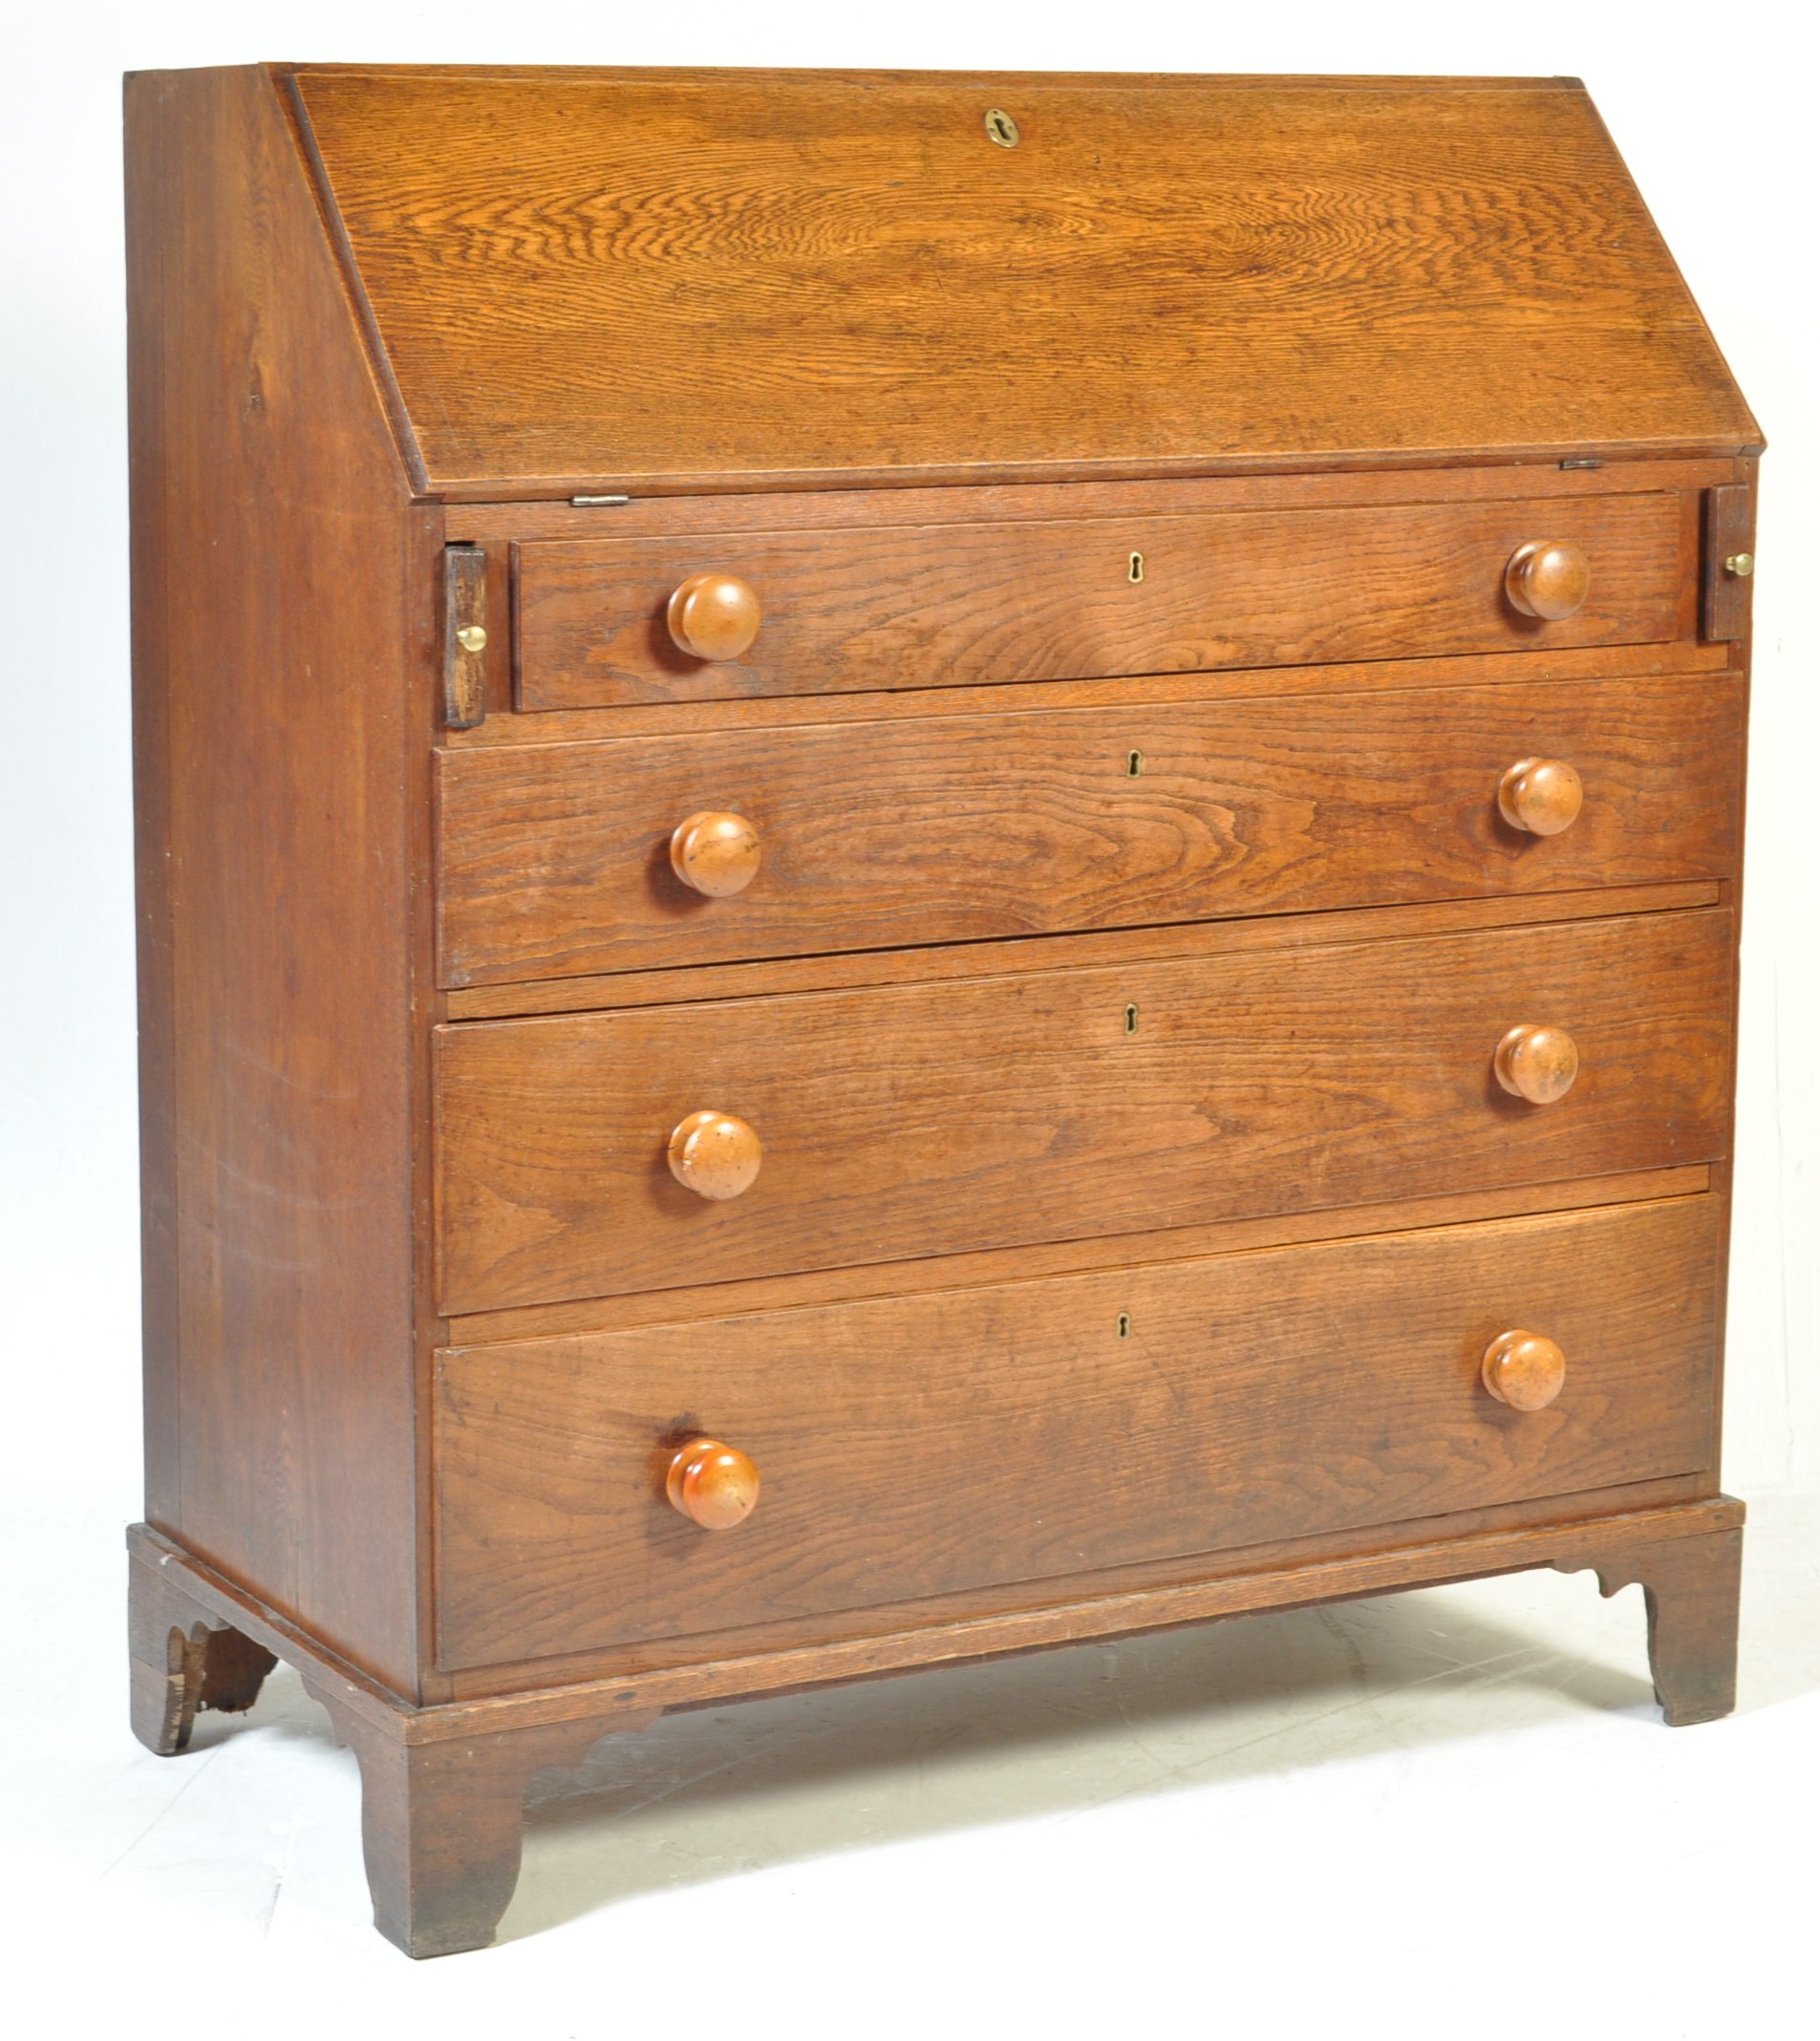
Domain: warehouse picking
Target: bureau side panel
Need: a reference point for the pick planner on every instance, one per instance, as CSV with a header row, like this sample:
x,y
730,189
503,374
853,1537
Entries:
x,y
1737,616
272,661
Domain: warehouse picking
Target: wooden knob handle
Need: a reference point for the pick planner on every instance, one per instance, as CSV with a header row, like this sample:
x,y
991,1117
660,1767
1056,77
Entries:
x,y
1538,1063
1541,796
1548,578
1524,1370
714,617
713,1485
717,854
716,1155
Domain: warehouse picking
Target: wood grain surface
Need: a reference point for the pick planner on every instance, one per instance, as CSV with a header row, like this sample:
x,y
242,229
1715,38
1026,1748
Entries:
x,y
182,1659
556,859
441,1822
927,1119
1692,657
1547,579
831,969
1052,844
496,525
929,606
921,1446
1624,1524
1729,573
1070,1257
285,682
673,280
464,637
1691,1590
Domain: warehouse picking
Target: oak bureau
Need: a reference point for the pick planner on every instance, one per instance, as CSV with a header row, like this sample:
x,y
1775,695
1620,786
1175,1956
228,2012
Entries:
x,y
927,865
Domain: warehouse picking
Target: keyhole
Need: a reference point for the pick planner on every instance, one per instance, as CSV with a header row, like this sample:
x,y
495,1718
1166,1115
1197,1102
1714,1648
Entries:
x,y
1001,127
1133,764
1125,1325
1130,1020
1137,567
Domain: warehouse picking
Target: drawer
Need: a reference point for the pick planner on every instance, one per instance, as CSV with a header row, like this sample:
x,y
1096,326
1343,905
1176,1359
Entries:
x,y
942,605
925,1119
555,858
910,1448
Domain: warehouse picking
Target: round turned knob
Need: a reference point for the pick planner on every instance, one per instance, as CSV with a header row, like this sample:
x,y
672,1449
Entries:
x,y
715,853
1538,1063
713,1485
714,617
1524,1370
1548,578
1541,796
716,1155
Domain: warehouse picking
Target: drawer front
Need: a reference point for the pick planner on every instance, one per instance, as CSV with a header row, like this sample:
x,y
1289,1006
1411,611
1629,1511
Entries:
x,y
917,1447
941,605
913,1120
554,858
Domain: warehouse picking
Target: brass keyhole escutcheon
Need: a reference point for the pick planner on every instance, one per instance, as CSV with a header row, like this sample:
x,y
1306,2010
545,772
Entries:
x,y
1130,1020
1135,571
1001,127
1125,1325
1133,764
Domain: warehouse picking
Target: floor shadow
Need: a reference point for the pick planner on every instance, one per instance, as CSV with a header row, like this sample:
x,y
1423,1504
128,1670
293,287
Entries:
x,y
765,1784
283,1711
761,1784
713,1793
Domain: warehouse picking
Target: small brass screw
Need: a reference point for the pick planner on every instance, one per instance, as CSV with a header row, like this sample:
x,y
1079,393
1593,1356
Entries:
x,y
472,637
1741,564
1001,127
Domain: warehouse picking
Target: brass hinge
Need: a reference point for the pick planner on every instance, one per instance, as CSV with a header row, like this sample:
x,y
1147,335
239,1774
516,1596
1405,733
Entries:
x,y
1728,563
463,636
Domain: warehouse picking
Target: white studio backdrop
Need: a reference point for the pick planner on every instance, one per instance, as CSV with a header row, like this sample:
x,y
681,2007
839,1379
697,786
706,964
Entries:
x,y
1713,112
